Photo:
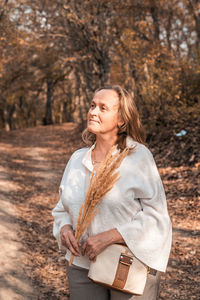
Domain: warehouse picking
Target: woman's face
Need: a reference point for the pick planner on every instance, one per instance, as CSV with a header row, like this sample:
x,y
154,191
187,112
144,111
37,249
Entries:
x,y
103,116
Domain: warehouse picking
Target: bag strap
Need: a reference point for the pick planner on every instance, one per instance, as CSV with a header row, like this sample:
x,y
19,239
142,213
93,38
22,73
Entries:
x,y
123,267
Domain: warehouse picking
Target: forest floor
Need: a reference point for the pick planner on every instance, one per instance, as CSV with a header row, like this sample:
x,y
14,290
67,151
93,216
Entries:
x,y
31,166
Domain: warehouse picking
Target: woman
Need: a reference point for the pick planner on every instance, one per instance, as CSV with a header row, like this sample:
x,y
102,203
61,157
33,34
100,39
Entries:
x,y
134,212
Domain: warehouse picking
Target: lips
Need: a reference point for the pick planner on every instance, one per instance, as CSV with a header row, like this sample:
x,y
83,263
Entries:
x,y
91,120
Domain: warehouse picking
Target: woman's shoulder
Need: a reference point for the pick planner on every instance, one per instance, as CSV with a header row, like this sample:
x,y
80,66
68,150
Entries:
x,y
137,149
75,159
141,157
78,154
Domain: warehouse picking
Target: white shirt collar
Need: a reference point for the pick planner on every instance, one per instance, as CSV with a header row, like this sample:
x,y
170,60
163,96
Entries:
x,y
87,159
130,143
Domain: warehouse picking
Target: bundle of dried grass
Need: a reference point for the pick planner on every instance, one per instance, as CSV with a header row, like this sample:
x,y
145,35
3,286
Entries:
x,y
101,182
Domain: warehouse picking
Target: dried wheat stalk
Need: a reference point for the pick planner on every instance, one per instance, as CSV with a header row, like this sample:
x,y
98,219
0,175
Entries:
x,y
101,182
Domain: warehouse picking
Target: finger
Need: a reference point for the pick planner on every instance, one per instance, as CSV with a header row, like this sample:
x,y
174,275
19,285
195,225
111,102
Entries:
x,y
66,240
64,235
63,240
91,256
71,248
90,252
74,243
83,248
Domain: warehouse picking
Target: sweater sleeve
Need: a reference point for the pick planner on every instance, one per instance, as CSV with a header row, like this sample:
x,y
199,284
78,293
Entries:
x,y
60,214
148,235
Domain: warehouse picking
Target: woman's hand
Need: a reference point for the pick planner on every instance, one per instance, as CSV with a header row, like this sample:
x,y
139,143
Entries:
x,y
97,243
68,239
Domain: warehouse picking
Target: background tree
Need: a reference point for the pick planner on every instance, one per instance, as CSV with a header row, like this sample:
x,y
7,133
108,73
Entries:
x,y
56,54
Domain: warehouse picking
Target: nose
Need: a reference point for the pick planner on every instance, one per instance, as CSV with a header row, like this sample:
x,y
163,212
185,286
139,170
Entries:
x,y
94,111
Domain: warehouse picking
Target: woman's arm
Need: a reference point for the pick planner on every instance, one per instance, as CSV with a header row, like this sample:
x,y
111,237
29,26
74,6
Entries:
x,y
61,218
148,235
97,243
60,214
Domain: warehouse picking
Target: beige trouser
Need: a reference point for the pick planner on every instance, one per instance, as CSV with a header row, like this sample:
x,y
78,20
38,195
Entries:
x,y
82,288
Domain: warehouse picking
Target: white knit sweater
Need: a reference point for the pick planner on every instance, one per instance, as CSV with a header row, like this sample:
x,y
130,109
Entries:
x,y
135,206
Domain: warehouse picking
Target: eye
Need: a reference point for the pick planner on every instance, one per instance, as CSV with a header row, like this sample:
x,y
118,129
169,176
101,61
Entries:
x,y
92,105
103,108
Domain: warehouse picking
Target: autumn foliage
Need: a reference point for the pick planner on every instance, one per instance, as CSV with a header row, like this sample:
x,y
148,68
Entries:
x,y
54,54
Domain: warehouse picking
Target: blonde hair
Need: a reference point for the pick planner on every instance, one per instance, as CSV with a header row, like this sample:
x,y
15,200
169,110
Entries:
x,y
128,112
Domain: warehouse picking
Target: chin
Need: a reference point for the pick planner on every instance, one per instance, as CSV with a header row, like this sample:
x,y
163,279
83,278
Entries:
x,y
92,128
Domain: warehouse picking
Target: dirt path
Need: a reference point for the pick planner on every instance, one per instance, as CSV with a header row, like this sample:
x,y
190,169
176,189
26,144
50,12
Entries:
x,y
31,165
30,172
14,283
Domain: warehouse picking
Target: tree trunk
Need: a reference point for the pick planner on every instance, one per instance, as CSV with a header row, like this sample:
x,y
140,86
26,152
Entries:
x,y
103,62
48,113
155,17
6,117
6,123
196,16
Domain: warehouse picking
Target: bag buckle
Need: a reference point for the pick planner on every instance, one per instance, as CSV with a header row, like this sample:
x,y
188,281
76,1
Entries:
x,y
125,259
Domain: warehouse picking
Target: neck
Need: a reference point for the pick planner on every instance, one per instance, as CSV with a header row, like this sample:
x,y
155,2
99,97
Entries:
x,y
104,144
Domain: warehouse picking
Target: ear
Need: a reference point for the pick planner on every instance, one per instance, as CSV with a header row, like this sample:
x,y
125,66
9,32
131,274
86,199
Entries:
x,y
120,123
